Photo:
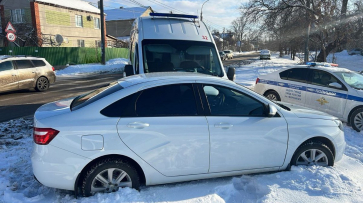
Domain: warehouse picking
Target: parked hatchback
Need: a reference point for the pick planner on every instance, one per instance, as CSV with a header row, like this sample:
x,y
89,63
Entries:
x,y
222,55
161,128
20,72
229,54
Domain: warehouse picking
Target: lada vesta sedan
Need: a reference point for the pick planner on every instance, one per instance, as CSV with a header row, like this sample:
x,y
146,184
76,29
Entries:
x,y
161,128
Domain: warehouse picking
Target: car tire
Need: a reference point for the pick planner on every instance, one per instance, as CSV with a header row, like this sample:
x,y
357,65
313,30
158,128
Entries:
x,y
42,84
356,119
272,95
96,178
313,153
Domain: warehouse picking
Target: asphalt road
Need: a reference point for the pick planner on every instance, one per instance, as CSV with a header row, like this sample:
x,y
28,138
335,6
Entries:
x,y
24,103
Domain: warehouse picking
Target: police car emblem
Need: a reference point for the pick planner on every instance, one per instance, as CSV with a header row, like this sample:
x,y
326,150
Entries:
x,y
322,101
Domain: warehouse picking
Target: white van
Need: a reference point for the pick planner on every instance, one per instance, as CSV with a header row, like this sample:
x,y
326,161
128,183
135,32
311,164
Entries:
x,y
165,42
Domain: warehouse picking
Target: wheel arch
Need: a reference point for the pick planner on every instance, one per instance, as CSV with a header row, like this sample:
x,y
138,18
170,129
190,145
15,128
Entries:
x,y
272,90
321,139
129,160
351,112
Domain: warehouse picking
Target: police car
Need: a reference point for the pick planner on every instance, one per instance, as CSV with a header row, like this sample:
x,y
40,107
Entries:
x,y
336,91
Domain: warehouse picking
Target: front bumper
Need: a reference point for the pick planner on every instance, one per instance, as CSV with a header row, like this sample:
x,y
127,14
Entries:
x,y
55,167
265,56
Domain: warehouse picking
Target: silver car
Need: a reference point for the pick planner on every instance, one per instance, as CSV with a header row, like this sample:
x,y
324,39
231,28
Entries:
x,y
21,72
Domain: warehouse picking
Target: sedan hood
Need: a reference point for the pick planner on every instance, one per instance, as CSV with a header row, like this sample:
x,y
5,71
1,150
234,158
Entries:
x,y
53,109
304,112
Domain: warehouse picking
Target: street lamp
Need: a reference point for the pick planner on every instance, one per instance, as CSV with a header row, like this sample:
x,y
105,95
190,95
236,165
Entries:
x,y
201,11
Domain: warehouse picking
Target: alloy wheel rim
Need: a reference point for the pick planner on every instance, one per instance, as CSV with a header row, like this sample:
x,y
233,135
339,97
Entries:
x,y
312,157
42,84
110,180
271,97
358,120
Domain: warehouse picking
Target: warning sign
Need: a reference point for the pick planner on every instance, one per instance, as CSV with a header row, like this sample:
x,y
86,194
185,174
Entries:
x,y
11,37
10,28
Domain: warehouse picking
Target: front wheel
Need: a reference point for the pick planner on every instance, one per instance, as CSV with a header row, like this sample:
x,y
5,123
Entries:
x,y
313,153
108,176
272,95
42,84
356,119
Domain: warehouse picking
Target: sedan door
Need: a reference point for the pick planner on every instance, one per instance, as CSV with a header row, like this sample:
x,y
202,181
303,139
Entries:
x,y
242,137
8,78
166,130
322,97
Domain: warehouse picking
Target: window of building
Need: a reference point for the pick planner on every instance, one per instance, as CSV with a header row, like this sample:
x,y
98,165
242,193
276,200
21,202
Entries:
x,y
97,43
79,21
17,16
97,23
80,43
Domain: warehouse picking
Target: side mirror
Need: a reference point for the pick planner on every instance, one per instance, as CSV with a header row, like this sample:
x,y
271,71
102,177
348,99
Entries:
x,y
335,85
231,74
271,111
129,70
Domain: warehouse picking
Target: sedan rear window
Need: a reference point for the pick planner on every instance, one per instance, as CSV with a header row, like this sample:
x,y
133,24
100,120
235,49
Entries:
x,y
88,98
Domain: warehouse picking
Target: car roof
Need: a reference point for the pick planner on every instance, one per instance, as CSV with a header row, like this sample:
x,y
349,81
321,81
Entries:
x,y
170,77
3,57
326,68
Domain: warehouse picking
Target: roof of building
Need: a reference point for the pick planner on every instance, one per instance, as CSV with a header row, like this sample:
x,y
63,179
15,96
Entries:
x,y
75,4
125,13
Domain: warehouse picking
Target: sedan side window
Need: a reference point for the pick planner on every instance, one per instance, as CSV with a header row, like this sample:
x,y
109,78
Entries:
x,y
323,78
23,64
295,74
168,100
224,101
7,65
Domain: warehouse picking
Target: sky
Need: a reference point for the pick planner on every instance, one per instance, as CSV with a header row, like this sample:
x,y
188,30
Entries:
x,y
217,14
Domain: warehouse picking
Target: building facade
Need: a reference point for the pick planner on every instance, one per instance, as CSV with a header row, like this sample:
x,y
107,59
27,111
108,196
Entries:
x,y
119,21
49,23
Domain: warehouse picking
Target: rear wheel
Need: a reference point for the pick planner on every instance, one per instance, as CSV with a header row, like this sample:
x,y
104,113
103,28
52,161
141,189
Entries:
x,y
42,84
313,153
108,176
356,119
272,95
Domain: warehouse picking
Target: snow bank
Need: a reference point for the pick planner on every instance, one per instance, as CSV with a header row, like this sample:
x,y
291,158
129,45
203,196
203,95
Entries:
x,y
113,65
343,59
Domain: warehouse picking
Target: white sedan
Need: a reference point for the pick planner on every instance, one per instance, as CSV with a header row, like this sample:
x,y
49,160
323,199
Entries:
x,y
336,91
160,128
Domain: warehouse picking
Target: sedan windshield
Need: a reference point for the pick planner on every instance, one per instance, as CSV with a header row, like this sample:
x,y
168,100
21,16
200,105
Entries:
x,y
354,80
181,56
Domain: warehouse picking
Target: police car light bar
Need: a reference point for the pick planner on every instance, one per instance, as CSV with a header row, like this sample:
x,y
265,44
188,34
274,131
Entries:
x,y
321,64
173,15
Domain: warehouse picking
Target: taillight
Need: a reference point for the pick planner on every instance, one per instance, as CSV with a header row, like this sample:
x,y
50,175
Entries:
x,y
257,80
43,136
53,68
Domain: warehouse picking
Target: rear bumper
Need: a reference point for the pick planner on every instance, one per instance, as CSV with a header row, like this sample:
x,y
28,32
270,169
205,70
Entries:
x,y
55,167
265,56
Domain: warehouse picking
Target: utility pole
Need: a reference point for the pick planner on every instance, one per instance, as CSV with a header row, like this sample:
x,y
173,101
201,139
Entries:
x,y
306,54
223,40
103,44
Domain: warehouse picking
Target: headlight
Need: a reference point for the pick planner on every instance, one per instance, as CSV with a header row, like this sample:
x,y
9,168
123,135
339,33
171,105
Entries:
x,y
340,124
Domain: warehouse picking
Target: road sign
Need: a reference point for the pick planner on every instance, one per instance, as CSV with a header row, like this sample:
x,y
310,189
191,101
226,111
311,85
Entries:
x,y
10,28
11,37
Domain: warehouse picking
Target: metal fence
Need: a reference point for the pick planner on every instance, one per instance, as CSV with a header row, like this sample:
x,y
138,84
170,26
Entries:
x,y
59,56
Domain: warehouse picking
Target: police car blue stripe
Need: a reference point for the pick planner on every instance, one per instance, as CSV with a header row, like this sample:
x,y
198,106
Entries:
x,y
311,89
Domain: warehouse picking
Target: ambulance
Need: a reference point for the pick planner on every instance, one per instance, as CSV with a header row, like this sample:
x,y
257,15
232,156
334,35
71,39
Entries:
x,y
164,42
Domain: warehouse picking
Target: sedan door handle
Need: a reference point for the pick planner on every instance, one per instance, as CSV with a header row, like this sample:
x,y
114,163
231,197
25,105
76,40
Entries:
x,y
223,125
138,125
